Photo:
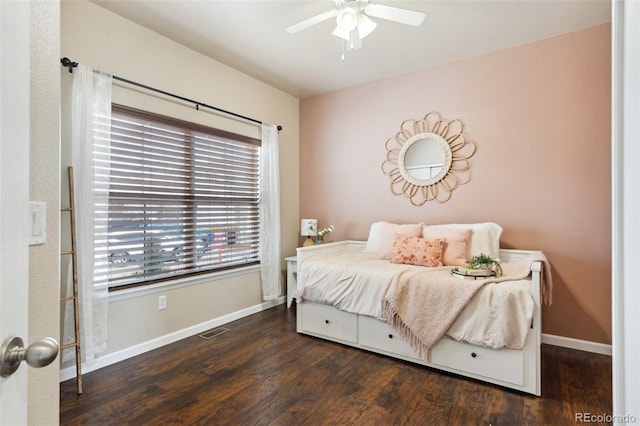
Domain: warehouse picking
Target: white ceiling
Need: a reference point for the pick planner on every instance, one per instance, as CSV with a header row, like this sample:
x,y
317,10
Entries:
x,y
250,36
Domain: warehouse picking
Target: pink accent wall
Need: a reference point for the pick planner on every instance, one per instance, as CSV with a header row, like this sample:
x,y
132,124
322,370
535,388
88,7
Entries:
x,y
540,116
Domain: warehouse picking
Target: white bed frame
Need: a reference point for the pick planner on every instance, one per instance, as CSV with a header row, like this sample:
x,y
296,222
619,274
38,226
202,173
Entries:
x,y
515,369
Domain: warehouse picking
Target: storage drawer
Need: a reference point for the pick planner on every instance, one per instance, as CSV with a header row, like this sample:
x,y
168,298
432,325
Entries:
x,y
376,334
330,322
500,364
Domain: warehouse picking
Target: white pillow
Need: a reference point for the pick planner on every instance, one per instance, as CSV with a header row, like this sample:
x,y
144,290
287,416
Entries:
x,y
381,236
375,237
484,239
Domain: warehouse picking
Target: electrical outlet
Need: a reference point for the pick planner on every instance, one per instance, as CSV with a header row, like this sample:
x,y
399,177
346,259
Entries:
x,y
162,302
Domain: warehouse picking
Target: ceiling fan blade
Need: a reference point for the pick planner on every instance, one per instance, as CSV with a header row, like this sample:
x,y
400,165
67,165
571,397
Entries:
x,y
403,16
312,21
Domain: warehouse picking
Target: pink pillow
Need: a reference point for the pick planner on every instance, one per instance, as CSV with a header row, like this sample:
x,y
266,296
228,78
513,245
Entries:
x,y
485,238
417,251
388,232
454,252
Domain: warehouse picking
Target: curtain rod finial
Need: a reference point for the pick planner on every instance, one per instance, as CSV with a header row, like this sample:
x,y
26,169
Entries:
x,y
68,63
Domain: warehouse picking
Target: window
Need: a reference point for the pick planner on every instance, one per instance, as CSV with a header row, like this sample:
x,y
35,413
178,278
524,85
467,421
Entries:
x,y
183,199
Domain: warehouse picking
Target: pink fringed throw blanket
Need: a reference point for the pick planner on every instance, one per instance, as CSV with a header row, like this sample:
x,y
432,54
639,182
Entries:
x,y
421,304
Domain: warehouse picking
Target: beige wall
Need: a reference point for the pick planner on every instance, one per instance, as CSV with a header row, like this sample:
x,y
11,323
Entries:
x,y
540,116
98,38
44,260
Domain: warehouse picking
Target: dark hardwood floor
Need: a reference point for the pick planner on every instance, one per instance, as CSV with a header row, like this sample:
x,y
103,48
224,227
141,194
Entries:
x,y
262,372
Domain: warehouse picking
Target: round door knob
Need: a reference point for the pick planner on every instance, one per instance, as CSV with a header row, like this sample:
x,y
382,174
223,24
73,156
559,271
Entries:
x,y
42,352
38,354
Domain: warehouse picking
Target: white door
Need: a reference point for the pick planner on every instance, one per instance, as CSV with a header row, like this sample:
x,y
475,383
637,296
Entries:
x,y
14,197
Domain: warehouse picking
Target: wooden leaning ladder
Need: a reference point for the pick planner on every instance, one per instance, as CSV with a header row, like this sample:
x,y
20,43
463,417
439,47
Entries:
x,y
74,298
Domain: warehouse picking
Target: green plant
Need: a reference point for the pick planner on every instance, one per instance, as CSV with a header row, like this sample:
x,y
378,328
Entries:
x,y
483,261
323,233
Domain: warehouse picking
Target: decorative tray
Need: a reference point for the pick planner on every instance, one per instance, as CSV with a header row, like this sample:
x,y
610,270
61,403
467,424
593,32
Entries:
x,y
474,274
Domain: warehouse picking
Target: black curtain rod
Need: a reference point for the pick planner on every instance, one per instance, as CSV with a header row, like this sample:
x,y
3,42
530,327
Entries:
x,y
68,63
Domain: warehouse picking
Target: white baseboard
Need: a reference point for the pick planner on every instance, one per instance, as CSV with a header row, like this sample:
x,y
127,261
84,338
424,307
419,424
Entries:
x,y
112,358
582,345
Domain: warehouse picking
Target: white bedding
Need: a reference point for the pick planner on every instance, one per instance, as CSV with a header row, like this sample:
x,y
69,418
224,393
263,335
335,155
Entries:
x,y
499,315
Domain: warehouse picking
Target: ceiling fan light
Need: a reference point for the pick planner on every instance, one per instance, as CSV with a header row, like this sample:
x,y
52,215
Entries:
x,y
355,42
365,26
347,19
345,35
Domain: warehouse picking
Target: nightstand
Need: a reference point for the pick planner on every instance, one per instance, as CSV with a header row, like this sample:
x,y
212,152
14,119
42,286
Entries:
x,y
292,278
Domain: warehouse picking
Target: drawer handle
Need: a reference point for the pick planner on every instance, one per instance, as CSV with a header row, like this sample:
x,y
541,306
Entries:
x,y
390,336
473,355
326,321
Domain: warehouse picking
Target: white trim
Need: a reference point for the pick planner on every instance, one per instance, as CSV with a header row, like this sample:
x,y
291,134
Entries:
x,y
109,359
625,200
112,358
581,345
145,290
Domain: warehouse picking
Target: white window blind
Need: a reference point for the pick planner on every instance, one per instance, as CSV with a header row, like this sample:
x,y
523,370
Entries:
x,y
183,199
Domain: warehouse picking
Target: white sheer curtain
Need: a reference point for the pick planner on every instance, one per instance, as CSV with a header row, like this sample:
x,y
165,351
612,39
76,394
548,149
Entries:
x,y
269,214
90,136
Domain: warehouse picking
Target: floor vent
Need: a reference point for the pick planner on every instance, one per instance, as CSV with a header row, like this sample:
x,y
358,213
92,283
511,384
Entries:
x,y
214,333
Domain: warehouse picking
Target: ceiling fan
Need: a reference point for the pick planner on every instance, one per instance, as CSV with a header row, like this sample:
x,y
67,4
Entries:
x,y
353,22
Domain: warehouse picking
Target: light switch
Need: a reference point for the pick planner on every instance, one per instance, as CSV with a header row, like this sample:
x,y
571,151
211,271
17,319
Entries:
x,y
37,223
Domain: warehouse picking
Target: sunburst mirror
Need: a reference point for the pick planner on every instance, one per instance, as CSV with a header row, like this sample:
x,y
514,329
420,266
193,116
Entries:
x,y
427,159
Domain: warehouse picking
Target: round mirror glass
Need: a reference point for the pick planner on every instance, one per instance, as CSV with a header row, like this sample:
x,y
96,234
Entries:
x,y
425,159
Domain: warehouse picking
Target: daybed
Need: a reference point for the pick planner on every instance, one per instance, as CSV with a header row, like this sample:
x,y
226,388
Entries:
x,y
344,292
